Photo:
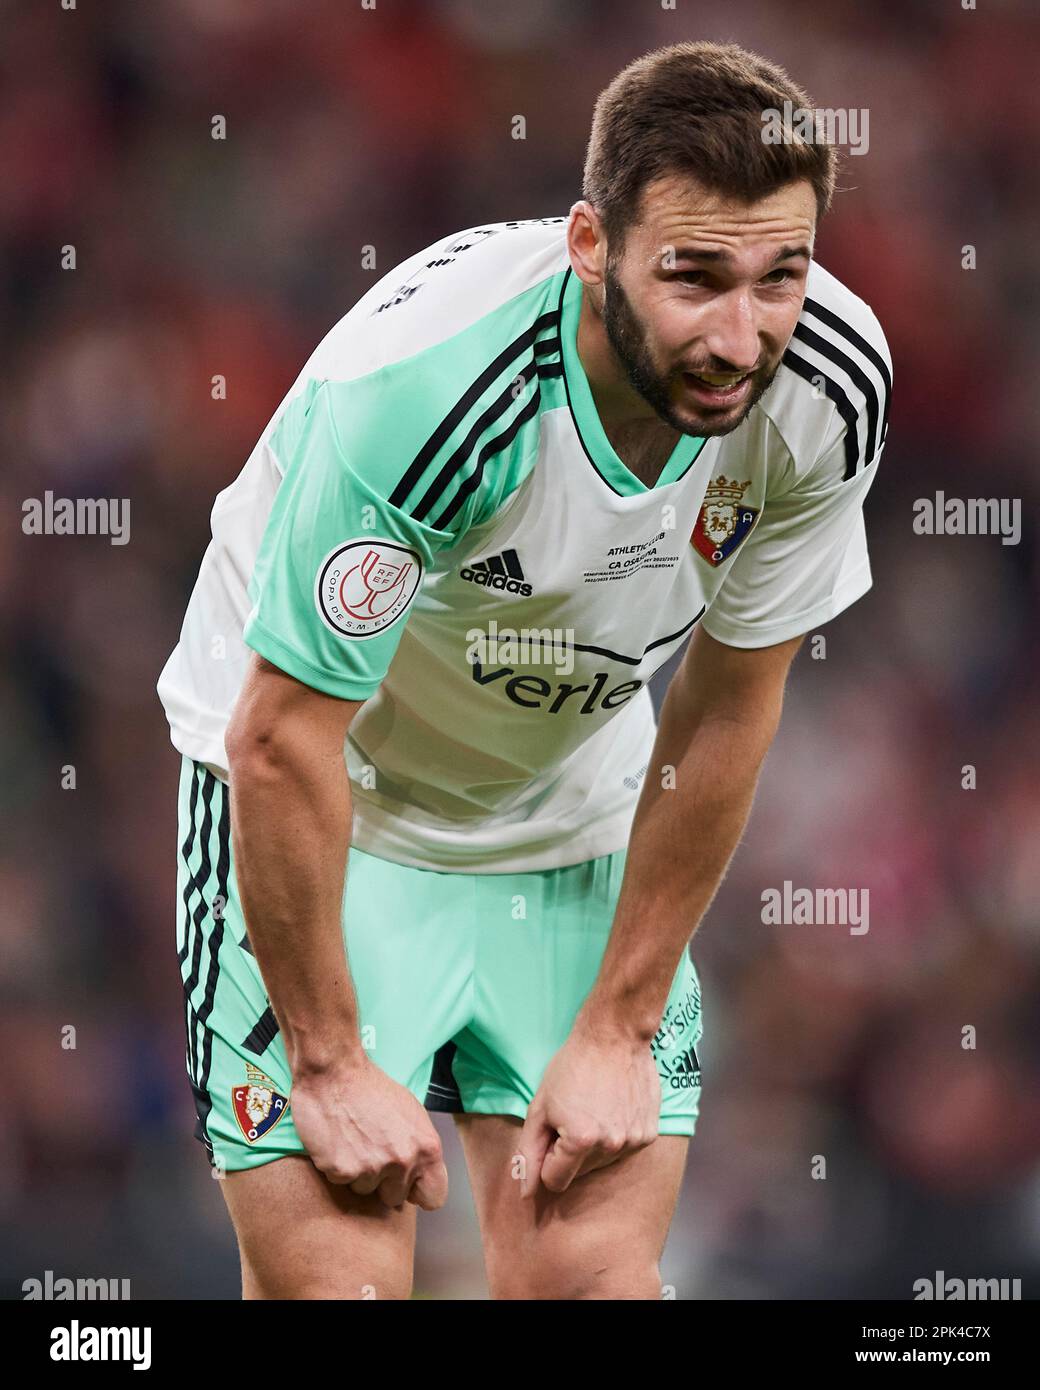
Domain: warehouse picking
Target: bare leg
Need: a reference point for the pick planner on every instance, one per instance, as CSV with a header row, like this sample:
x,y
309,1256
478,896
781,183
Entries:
x,y
601,1239
300,1236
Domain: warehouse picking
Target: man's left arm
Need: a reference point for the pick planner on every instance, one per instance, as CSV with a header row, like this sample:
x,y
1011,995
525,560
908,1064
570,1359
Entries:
x,y
804,562
600,1095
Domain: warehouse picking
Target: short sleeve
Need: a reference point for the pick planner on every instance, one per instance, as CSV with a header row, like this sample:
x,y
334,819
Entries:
x,y
805,561
339,566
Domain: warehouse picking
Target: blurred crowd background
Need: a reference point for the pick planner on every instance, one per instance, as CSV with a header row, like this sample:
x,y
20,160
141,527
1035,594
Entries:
x,y
391,127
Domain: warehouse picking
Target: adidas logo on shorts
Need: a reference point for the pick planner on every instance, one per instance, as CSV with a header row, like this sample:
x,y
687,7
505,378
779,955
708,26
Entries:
x,y
686,1074
499,572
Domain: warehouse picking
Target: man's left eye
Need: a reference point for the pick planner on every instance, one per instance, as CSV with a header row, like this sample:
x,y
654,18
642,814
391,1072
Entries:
x,y
771,279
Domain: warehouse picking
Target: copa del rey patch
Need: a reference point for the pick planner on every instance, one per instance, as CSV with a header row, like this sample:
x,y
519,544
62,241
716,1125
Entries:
x,y
365,585
723,522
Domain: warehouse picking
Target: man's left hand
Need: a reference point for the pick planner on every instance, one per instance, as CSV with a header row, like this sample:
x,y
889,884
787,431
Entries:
x,y
600,1099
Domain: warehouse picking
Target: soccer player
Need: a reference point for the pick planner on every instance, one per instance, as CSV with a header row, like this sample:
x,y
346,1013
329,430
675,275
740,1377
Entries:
x,y
435,855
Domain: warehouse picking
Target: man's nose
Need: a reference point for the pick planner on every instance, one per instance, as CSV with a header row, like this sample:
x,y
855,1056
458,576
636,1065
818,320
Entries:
x,y
732,334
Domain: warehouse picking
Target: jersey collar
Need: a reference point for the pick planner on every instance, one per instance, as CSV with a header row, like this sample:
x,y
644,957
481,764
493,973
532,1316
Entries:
x,y
590,432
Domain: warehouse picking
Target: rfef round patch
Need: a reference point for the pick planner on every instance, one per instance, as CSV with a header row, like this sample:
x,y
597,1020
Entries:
x,y
365,585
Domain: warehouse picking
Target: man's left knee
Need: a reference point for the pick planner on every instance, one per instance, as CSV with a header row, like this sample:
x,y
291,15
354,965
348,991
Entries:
x,y
569,1275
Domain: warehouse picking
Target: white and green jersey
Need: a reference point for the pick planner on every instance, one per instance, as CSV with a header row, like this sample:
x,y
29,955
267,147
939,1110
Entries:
x,y
435,522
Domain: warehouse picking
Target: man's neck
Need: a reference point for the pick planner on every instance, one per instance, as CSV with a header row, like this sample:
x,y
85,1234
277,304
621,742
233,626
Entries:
x,y
644,447
637,434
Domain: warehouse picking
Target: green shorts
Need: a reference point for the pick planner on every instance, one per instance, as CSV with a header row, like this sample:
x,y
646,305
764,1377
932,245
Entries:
x,y
467,984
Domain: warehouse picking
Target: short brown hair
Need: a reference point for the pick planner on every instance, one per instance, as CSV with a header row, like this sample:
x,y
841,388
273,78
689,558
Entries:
x,y
696,109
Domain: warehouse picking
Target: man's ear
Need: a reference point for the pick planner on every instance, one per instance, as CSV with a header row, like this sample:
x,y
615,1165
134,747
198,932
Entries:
x,y
586,243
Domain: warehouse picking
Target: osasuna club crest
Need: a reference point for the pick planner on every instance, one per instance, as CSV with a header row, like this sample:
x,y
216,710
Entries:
x,y
723,522
365,585
257,1104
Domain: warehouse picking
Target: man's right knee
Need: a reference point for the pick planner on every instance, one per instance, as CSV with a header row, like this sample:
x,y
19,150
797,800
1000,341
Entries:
x,y
302,1237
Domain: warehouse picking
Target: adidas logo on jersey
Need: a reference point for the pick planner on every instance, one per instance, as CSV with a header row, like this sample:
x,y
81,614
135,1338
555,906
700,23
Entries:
x,y
499,572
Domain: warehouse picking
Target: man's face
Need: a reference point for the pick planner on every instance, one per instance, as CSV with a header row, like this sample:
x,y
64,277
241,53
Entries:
x,y
704,298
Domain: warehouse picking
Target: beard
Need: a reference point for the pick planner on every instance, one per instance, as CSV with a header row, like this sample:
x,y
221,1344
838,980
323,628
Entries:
x,y
628,338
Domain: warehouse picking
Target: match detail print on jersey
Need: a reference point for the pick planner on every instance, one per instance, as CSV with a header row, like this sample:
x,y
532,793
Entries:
x,y
365,585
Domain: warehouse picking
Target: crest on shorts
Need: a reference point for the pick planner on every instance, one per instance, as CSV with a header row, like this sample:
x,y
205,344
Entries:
x,y
258,1105
724,522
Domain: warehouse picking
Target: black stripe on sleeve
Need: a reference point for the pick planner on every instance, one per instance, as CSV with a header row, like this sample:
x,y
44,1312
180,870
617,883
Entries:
x,y
517,348
492,447
854,372
860,343
461,456
813,375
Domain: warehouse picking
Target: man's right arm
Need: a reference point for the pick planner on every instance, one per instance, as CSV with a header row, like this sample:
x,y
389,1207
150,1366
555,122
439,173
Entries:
x,y
291,828
343,448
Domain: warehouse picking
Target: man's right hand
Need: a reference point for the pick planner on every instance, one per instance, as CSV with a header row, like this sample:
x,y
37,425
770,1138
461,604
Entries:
x,y
291,828
361,1128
